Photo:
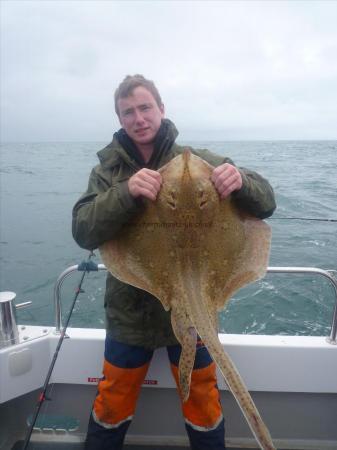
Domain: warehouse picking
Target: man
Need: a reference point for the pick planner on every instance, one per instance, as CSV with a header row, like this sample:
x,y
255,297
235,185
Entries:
x,y
136,322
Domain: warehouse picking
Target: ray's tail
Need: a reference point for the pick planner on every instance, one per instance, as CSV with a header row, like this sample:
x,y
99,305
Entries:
x,y
240,392
197,310
188,342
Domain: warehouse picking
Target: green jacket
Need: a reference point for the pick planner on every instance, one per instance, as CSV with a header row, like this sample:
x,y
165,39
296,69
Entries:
x,y
134,316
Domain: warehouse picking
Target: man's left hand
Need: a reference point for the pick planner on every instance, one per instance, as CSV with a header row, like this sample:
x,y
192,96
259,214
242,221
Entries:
x,y
226,179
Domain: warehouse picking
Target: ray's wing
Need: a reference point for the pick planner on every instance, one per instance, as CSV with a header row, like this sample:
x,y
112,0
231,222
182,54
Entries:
x,y
239,246
140,255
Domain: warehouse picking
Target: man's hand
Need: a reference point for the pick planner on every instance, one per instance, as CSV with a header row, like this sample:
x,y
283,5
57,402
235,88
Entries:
x,y
145,183
226,179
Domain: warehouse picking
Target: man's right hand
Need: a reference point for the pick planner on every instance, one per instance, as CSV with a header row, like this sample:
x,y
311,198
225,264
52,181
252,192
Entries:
x,y
145,183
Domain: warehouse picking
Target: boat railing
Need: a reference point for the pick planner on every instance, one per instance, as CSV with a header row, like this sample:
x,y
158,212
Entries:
x,y
328,274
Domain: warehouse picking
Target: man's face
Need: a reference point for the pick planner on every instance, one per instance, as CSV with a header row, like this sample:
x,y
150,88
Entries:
x,y
140,116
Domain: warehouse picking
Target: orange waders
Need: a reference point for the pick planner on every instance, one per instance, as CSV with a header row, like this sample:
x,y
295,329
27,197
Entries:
x,y
124,370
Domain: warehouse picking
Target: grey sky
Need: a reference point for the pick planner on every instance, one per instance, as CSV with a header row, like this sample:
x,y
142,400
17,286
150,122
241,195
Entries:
x,y
225,70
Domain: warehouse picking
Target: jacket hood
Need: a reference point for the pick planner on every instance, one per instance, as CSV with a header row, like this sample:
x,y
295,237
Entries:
x,y
111,155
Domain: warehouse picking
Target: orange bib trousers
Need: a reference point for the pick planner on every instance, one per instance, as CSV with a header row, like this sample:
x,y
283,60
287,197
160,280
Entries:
x,y
124,370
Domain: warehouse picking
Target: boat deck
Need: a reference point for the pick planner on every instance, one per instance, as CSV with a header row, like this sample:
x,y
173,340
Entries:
x,y
79,446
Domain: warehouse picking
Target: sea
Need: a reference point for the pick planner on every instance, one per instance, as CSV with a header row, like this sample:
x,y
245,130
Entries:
x,y
40,182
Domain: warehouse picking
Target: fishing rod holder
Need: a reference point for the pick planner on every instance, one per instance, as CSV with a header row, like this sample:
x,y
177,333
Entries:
x,y
330,275
9,334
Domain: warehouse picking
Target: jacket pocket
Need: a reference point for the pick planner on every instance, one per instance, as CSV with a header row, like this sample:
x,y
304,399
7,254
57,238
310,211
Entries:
x,y
123,302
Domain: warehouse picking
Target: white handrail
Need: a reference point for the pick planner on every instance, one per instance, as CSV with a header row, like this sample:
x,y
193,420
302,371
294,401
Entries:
x,y
329,274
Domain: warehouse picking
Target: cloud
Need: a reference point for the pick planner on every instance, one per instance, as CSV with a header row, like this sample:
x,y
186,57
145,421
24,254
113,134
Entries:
x,y
230,69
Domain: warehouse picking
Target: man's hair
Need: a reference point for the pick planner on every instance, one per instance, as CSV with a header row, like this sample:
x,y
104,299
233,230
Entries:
x,y
130,83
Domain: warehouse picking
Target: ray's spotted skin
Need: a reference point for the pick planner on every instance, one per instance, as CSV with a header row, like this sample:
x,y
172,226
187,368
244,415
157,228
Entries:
x,y
193,251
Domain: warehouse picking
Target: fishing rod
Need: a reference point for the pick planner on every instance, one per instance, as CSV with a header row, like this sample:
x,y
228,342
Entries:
x,y
85,267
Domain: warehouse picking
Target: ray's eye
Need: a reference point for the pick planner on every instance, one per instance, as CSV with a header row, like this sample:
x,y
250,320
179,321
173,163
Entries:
x,y
172,204
202,199
171,201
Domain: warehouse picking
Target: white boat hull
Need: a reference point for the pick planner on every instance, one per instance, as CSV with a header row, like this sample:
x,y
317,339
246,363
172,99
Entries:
x,y
293,380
